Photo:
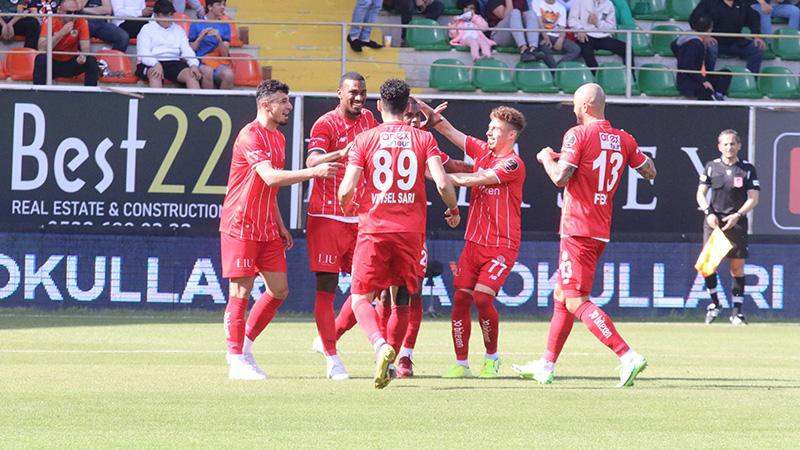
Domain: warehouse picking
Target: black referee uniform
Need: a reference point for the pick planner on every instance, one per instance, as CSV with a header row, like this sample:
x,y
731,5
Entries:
x,y
729,186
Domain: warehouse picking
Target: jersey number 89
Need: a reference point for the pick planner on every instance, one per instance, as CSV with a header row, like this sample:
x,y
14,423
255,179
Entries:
x,y
383,177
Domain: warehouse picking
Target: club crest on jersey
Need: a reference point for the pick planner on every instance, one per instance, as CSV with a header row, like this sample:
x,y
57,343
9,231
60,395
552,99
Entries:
x,y
569,140
738,182
396,139
510,165
609,141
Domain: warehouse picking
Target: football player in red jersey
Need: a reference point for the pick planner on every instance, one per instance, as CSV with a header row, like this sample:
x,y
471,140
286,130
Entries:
x,y
331,234
492,235
253,238
392,158
591,162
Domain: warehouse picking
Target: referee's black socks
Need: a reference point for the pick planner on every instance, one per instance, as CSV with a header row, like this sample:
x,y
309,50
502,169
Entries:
x,y
711,288
737,292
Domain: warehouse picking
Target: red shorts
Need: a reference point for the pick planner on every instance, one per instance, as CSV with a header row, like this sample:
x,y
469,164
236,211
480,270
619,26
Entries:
x,y
422,266
488,266
330,244
248,258
386,259
577,263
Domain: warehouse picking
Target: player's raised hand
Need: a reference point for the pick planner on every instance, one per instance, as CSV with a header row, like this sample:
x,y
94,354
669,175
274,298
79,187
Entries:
x,y
729,221
327,170
452,217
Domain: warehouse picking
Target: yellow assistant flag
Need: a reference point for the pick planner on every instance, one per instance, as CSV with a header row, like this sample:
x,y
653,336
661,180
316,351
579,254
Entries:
x,y
715,249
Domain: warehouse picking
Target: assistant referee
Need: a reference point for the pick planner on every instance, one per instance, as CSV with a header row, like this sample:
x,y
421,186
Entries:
x,y
734,192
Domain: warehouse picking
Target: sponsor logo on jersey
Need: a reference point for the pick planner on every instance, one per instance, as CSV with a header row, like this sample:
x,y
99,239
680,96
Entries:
x,y
609,141
397,139
738,182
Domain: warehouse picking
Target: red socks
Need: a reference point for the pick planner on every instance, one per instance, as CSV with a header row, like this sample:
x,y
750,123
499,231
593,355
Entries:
x,y
261,315
234,324
397,326
368,320
560,327
488,319
601,326
461,325
414,321
383,312
326,321
346,318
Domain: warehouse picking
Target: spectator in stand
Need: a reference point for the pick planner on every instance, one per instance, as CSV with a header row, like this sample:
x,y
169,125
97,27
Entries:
x,y
131,8
18,26
431,9
516,14
730,16
164,53
776,8
101,28
468,29
592,16
553,17
365,11
192,8
690,50
69,35
214,39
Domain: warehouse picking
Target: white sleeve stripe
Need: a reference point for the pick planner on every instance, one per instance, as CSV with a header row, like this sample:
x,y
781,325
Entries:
x,y
640,165
570,164
495,175
317,149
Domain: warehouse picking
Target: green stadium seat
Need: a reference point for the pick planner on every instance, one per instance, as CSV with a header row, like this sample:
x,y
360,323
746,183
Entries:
x,y
510,49
427,38
659,83
787,48
650,10
451,8
681,9
661,42
742,86
613,79
534,82
778,87
450,78
570,80
490,80
641,41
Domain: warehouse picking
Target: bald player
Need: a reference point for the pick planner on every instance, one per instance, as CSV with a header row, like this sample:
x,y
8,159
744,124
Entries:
x,y
591,162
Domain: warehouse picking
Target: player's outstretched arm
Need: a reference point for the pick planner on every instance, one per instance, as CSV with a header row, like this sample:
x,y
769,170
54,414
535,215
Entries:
x,y
278,177
317,157
442,125
559,172
484,177
348,187
648,169
458,166
445,187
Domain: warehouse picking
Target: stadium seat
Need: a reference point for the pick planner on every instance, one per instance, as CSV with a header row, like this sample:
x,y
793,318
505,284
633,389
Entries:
x,y
681,9
236,41
491,80
119,65
570,80
534,82
451,8
19,63
661,42
787,48
3,75
743,86
613,79
427,38
659,83
641,41
450,78
784,87
184,25
246,72
650,10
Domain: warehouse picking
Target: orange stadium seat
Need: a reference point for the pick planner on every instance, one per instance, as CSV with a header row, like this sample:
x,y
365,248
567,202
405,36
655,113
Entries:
x,y
235,40
184,25
19,63
246,72
119,64
3,75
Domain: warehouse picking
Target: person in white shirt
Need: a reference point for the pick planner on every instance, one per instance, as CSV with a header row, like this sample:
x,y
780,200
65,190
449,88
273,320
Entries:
x,y
130,8
163,52
593,16
553,17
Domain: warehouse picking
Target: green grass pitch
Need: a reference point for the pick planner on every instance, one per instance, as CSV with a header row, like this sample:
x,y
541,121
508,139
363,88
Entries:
x,y
84,379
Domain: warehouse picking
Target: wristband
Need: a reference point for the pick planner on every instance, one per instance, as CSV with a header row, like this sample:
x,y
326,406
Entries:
x,y
708,211
452,212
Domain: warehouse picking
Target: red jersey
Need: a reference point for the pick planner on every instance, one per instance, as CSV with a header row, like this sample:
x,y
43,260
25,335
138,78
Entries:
x,y
394,157
494,210
68,43
599,153
332,132
248,212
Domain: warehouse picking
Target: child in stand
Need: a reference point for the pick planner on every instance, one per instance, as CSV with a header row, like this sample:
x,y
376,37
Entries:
x,y
470,34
